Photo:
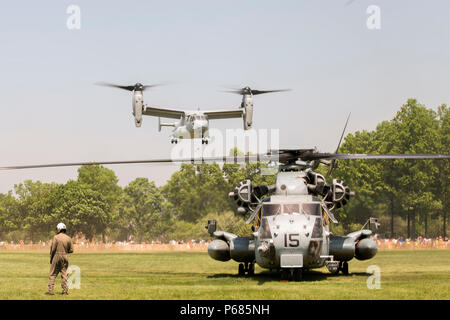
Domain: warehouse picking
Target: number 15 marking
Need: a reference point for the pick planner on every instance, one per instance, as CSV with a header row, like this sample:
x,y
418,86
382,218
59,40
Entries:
x,y
291,240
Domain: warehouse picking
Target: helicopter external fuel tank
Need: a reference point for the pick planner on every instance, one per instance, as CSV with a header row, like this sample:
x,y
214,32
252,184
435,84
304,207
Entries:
x,y
240,249
342,248
219,250
365,249
356,244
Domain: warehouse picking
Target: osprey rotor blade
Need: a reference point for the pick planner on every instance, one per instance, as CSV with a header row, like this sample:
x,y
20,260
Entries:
x,y
106,84
255,92
248,90
151,86
135,87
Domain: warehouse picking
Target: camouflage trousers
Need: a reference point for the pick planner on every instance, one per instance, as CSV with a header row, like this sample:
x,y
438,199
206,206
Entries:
x,y
60,263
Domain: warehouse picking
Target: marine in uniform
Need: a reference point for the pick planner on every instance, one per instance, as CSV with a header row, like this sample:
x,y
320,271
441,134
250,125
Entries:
x,y
60,248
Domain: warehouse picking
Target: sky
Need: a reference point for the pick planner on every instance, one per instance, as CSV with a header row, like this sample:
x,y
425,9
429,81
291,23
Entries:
x,y
324,51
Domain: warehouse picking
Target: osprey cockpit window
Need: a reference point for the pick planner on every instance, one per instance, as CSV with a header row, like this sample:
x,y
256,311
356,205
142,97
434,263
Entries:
x,y
271,209
291,208
311,208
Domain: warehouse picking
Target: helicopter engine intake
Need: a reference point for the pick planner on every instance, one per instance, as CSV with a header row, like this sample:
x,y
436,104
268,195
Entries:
x,y
248,196
338,194
316,182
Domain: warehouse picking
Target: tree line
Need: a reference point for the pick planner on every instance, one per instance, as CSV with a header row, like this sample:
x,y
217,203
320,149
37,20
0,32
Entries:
x,y
97,207
409,197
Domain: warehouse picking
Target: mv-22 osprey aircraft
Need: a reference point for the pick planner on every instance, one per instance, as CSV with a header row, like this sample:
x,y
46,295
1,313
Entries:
x,y
190,124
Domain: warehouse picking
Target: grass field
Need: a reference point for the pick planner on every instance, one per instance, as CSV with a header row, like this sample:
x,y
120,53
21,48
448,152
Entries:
x,y
405,274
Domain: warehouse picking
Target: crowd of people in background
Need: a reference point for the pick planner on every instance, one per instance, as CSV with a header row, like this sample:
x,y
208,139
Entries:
x,y
113,245
80,243
418,243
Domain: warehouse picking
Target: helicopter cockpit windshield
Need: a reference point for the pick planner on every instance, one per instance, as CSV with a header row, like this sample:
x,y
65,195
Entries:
x,y
311,209
291,208
271,209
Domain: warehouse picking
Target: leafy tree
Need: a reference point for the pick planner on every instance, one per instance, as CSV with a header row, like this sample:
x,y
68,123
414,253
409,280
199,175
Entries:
x,y
195,190
83,209
141,209
362,176
397,185
9,218
36,202
415,131
101,179
442,185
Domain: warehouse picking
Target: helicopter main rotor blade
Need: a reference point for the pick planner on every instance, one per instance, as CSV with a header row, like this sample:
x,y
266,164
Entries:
x,y
282,157
349,156
333,162
227,159
343,132
74,164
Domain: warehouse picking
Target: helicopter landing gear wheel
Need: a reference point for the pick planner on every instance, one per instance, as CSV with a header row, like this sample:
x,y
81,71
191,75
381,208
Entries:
x,y
251,269
241,269
344,268
298,275
285,274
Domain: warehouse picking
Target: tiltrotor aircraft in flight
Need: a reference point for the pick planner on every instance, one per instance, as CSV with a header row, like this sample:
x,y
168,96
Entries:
x,y
190,124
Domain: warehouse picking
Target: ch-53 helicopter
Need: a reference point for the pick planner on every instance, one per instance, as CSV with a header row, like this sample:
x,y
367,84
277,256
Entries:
x,y
190,124
291,225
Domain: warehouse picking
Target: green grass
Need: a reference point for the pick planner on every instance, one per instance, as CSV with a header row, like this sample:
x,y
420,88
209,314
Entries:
x,y
405,274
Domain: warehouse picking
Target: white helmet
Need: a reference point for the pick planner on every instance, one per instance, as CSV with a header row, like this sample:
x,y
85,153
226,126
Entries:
x,y
61,226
